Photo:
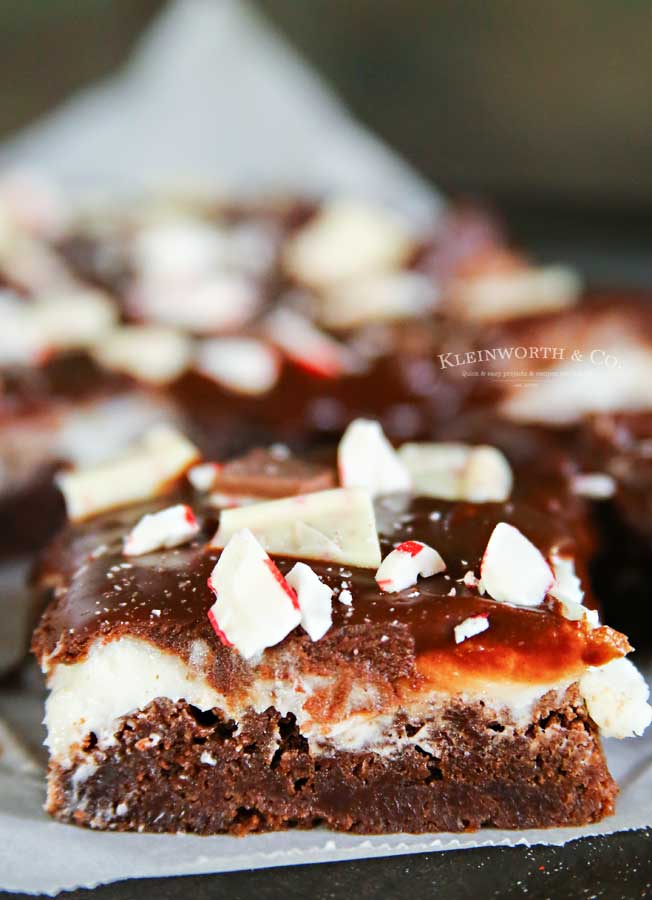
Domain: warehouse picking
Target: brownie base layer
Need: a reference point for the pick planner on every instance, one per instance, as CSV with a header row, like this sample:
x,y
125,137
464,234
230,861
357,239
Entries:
x,y
174,768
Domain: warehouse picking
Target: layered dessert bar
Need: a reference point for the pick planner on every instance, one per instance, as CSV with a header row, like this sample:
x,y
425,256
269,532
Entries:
x,y
387,641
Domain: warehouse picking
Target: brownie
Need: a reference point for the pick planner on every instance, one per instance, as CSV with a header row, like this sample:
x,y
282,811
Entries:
x,y
396,717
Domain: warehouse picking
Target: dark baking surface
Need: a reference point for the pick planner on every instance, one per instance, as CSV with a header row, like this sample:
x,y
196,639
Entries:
x,y
614,868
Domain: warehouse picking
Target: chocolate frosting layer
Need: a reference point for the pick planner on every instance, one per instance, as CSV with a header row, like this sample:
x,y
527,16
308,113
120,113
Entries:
x,y
164,598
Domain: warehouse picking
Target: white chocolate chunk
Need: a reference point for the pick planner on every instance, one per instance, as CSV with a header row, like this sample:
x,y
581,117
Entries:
x,y
594,485
221,302
487,476
241,364
378,298
470,580
314,600
401,568
616,697
345,597
21,341
30,330
498,296
202,477
169,527
470,627
347,239
74,318
580,388
307,346
366,459
185,247
451,471
146,352
339,523
255,607
141,473
513,570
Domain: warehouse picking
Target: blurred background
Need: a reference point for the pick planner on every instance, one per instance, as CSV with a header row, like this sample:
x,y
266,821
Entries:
x,y
543,110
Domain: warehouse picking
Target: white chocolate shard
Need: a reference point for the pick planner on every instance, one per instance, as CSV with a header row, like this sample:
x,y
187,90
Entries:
x,y
487,476
594,485
240,364
616,697
401,568
222,302
513,570
378,298
470,627
314,600
148,353
74,318
339,523
366,459
613,374
255,607
161,530
498,296
179,248
347,239
144,471
452,471
21,341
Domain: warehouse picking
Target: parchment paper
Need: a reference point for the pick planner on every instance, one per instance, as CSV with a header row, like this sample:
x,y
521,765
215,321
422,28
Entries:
x,y
38,855
213,93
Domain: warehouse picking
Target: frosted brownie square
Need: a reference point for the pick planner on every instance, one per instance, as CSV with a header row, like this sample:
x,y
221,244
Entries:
x,y
413,650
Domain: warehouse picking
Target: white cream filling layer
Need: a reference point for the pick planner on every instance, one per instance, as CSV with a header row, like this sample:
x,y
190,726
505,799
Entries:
x,y
120,677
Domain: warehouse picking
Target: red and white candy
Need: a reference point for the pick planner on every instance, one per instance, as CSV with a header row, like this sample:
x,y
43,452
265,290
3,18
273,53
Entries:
x,y
157,531
470,627
513,570
314,600
401,568
255,607
366,459
307,346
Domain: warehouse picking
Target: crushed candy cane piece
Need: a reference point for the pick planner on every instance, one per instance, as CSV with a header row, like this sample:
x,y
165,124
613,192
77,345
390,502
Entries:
x,y
470,627
255,607
401,568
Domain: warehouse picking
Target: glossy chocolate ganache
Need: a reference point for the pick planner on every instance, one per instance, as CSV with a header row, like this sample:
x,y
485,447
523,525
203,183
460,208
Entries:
x,y
163,597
